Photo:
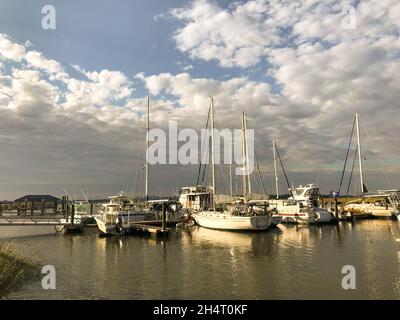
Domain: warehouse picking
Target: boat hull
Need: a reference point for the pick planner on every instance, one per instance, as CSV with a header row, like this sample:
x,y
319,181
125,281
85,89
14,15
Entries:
x,y
121,221
222,221
311,217
370,210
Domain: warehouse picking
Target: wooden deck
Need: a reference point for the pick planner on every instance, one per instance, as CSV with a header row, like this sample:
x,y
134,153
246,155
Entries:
x,y
140,228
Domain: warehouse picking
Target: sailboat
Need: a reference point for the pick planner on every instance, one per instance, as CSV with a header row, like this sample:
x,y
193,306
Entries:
x,y
303,204
122,210
246,215
383,203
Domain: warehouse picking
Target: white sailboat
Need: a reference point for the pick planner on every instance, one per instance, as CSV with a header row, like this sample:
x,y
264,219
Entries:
x,y
235,217
123,210
383,203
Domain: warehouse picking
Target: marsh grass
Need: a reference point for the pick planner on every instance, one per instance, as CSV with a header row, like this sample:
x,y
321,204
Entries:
x,y
15,269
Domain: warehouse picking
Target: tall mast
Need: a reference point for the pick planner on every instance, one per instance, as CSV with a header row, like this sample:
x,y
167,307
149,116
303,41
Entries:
x,y
230,173
359,154
247,153
147,151
244,160
212,149
276,172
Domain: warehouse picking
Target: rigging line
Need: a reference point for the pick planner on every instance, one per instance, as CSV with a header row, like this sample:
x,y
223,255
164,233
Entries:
x,y
347,156
205,165
283,169
351,174
202,148
259,173
269,159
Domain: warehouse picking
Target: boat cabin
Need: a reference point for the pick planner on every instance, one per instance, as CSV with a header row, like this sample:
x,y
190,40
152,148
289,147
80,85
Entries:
x,y
195,198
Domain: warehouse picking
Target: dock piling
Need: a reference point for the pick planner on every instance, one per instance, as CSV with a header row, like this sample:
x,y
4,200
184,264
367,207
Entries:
x,y
163,217
72,215
336,208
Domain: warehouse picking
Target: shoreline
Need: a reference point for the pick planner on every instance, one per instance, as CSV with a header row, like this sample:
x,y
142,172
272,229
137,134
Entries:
x,y
15,268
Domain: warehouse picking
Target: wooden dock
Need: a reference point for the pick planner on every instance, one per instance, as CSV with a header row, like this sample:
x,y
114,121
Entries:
x,y
146,229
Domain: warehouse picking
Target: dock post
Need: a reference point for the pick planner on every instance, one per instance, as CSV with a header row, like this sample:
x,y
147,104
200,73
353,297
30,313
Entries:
x,y
163,217
66,212
336,208
62,205
32,207
43,207
91,209
72,215
55,205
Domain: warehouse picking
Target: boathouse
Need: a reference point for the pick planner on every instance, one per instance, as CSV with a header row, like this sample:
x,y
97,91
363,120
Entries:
x,y
40,202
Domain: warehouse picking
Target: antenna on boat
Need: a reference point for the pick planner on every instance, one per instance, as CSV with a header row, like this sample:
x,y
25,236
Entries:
x,y
84,195
69,197
276,171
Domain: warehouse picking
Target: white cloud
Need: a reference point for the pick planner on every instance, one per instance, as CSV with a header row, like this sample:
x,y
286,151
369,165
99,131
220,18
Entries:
x,y
52,68
246,33
11,50
101,88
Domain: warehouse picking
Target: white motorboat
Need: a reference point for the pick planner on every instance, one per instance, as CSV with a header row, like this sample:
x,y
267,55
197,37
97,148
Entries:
x,y
120,211
302,207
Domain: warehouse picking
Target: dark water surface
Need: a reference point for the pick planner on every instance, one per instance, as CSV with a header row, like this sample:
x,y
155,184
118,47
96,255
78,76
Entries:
x,y
289,262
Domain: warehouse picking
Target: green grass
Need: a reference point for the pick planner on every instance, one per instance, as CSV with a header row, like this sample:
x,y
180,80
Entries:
x,y
15,269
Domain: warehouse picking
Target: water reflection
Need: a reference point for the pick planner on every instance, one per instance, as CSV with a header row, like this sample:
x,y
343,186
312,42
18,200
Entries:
x,y
288,262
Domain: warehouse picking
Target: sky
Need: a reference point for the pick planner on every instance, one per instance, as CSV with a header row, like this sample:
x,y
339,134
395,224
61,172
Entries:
x,y
73,98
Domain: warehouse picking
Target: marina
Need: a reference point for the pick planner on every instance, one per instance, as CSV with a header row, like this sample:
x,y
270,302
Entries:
x,y
199,150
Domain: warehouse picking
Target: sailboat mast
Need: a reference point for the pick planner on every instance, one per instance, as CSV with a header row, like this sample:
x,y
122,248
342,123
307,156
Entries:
x,y
244,160
147,151
276,172
359,154
230,173
212,149
247,153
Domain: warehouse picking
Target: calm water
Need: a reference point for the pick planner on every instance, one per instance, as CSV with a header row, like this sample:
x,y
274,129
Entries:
x,y
289,262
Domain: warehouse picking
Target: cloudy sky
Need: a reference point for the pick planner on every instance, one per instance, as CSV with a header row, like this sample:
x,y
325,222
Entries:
x,y
72,100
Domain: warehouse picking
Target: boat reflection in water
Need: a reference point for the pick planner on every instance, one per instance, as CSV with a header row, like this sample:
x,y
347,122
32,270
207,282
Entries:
x,y
287,262
241,241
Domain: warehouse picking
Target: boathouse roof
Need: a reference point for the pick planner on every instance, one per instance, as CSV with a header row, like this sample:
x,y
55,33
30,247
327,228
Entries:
x,y
37,197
